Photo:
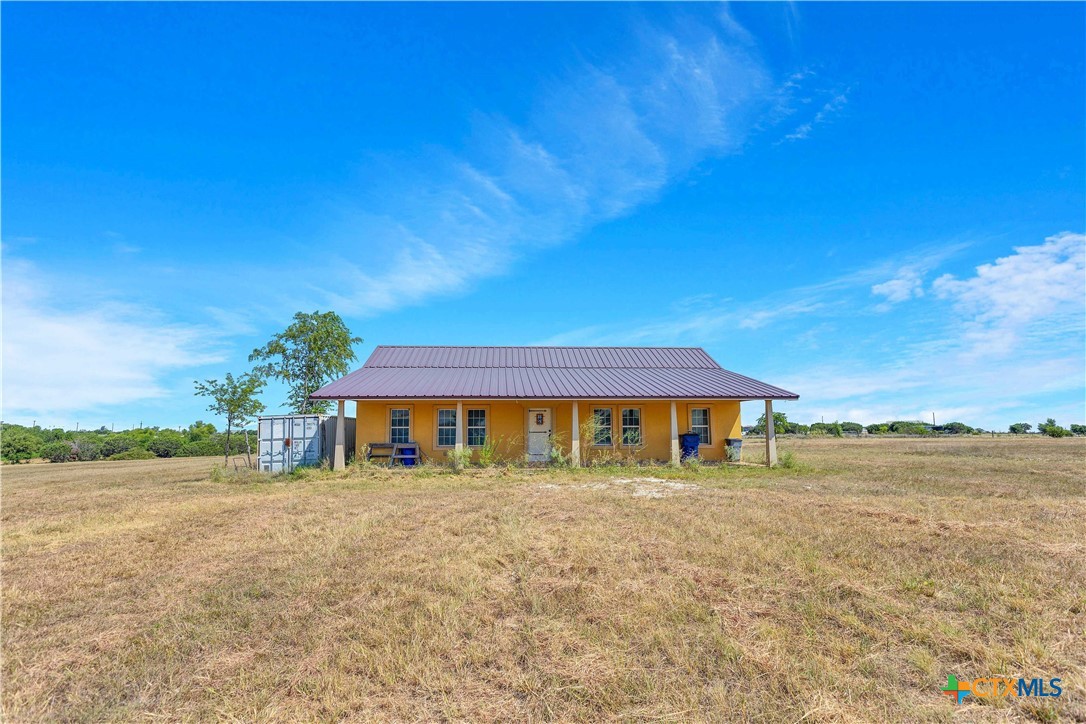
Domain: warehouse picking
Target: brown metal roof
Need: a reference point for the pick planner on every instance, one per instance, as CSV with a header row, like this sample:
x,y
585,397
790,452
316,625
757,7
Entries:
x,y
595,373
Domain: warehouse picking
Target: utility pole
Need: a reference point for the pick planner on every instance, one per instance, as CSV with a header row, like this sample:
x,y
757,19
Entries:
x,y
933,419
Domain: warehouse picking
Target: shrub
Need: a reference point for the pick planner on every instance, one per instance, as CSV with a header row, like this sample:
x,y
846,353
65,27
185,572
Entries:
x,y
114,444
488,452
165,446
86,450
57,452
787,459
133,454
458,459
200,448
19,444
558,458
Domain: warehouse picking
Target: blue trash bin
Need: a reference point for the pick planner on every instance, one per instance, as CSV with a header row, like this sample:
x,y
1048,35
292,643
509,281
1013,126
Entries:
x,y
688,441
408,451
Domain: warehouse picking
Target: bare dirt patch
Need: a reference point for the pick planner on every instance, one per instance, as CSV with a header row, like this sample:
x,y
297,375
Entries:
x,y
639,487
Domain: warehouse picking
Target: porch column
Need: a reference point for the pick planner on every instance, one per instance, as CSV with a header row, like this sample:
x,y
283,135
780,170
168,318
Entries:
x,y
459,426
575,436
338,461
770,436
675,460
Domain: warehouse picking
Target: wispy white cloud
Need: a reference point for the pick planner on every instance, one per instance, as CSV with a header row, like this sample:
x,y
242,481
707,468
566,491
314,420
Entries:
x,y
983,347
598,142
1037,291
762,317
61,359
907,284
840,295
1015,338
830,108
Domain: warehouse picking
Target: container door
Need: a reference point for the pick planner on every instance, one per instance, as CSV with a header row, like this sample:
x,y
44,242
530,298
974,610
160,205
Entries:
x,y
280,444
263,445
270,445
296,443
312,455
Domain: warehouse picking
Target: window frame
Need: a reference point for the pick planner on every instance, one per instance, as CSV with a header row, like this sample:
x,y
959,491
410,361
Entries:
x,y
438,427
708,424
410,410
610,428
640,426
467,426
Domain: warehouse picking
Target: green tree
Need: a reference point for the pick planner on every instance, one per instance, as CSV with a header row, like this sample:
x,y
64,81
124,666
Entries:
x,y
957,428
200,430
780,424
1078,429
1050,428
87,449
313,350
17,443
853,427
907,427
1020,428
167,443
58,451
234,399
827,428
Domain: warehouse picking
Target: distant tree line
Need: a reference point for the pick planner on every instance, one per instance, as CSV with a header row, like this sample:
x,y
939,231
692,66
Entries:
x,y
312,350
19,443
782,426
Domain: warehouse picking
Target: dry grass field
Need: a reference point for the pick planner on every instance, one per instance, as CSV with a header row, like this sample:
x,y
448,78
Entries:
x,y
845,588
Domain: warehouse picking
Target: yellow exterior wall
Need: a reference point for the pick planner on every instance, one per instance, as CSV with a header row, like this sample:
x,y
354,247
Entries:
x,y
507,422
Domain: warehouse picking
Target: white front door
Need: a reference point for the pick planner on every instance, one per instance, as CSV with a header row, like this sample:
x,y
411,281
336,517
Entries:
x,y
539,435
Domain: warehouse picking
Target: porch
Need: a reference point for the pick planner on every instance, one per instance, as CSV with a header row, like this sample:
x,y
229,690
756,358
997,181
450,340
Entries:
x,y
529,430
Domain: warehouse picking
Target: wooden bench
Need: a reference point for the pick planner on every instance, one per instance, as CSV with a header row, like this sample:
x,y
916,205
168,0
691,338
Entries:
x,y
394,451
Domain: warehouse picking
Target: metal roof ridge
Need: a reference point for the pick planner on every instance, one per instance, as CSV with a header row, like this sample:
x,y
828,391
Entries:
x,y
529,346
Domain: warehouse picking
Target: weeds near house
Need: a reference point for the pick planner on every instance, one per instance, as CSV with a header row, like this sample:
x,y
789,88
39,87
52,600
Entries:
x,y
458,460
787,459
488,452
557,456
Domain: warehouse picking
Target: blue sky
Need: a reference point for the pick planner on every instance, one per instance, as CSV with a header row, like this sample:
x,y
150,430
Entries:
x,y
880,207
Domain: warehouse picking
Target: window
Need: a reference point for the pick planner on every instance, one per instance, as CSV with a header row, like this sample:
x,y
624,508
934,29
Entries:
x,y
699,423
476,428
399,429
446,428
631,426
602,417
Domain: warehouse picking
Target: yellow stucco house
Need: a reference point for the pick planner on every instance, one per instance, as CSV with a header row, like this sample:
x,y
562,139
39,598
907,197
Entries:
x,y
525,401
